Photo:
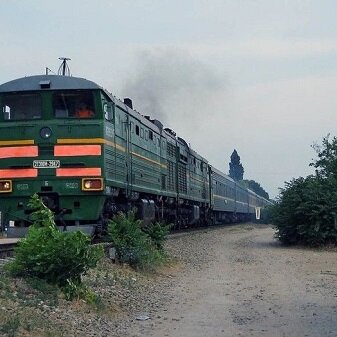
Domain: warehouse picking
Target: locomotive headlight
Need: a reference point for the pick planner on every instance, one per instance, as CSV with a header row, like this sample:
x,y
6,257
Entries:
x,y
46,132
5,186
92,184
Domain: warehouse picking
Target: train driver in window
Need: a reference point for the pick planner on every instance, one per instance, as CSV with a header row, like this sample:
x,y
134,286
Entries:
x,y
83,111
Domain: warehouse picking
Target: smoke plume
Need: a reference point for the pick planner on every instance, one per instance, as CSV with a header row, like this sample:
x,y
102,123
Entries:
x,y
174,88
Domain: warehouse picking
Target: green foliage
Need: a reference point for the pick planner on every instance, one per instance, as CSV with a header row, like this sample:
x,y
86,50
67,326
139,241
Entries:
x,y
4,280
11,326
256,187
41,216
127,237
306,212
132,244
46,292
265,215
158,234
235,167
46,253
76,290
326,164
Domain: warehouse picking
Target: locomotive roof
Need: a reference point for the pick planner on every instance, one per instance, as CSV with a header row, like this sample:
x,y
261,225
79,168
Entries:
x,y
58,82
226,176
48,82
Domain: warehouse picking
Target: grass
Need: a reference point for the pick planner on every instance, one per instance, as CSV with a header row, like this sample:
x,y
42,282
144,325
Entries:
x,y
10,326
31,307
21,307
111,275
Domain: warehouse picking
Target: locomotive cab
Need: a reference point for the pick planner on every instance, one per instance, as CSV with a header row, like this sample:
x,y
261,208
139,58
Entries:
x,y
51,139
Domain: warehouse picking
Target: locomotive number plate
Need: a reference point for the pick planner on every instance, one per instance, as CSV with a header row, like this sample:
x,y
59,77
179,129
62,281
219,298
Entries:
x,y
46,163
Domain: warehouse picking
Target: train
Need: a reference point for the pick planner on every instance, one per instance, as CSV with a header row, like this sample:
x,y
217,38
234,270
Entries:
x,y
90,155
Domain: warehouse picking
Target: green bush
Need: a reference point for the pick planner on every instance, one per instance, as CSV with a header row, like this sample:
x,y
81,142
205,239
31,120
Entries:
x,y
46,253
132,244
158,234
266,215
306,212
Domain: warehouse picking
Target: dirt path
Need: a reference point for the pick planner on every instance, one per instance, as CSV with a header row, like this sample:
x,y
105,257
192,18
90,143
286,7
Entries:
x,y
247,285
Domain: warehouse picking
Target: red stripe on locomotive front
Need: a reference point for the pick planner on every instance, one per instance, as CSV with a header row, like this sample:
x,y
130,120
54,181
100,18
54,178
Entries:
x,y
77,150
79,172
18,151
18,173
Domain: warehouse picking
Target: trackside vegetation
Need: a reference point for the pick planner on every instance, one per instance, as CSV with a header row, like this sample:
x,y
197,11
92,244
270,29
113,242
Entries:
x,y
59,258
306,209
140,247
63,258
51,268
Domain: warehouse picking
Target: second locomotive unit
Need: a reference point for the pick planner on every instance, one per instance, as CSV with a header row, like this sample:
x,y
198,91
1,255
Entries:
x,y
89,155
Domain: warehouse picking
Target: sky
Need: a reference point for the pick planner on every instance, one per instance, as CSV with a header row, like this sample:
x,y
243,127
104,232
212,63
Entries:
x,y
258,76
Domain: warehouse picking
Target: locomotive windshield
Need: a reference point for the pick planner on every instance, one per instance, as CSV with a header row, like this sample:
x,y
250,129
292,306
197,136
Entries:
x,y
73,104
21,106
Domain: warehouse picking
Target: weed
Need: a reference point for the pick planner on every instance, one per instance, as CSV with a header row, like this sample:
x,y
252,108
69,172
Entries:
x,y
46,292
11,326
4,282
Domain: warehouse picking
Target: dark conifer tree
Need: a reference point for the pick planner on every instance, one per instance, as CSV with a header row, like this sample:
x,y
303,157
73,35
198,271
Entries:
x,y
235,167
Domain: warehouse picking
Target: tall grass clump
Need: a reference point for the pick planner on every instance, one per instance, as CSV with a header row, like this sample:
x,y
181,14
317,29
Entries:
x,y
60,258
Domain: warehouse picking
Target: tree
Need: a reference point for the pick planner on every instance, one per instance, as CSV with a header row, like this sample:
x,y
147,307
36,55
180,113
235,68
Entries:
x,y
326,164
256,187
235,167
306,210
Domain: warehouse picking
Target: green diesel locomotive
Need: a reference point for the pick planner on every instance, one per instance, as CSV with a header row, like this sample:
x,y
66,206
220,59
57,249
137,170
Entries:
x,y
89,155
